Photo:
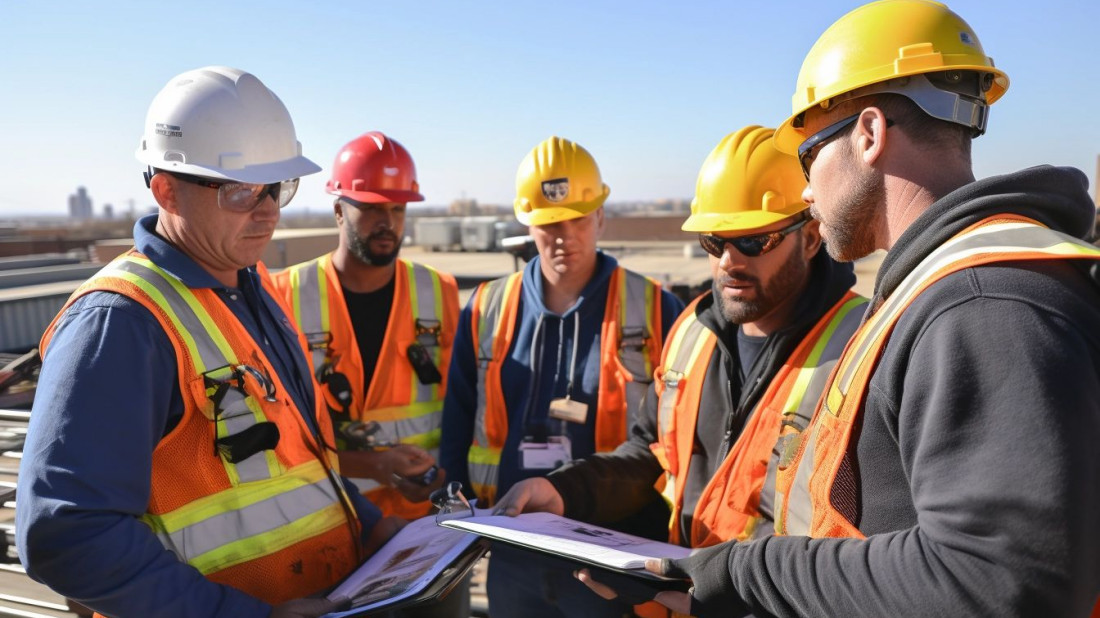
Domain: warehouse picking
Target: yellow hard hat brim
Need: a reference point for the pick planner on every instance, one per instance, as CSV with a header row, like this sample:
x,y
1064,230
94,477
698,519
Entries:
x,y
736,221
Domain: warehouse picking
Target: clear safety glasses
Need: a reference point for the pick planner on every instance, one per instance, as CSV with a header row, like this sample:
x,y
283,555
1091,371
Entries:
x,y
242,196
749,246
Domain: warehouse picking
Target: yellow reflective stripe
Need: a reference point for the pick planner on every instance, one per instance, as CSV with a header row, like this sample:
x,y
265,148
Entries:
x,y
322,292
806,372
239,497
397,413
267,543
483,455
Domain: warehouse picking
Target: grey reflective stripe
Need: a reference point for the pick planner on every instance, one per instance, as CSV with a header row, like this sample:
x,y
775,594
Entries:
x,y
400,429
1000,238
796,521
310,318
634,341
492,306
483,475
676,371
226,527
800,418
429,313
234,409
210,355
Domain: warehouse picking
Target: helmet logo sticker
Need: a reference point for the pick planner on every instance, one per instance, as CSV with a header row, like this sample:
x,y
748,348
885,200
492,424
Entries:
x,y
555,189
965,38
169,130
390,171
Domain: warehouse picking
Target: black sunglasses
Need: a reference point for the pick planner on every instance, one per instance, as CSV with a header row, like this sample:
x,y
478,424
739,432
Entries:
x,y
749,246
808,150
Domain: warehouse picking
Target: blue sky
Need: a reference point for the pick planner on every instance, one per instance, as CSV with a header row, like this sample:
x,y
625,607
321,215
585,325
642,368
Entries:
x,y
648,87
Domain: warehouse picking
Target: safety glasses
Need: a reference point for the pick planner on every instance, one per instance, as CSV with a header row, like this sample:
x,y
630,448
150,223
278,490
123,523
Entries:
x,y
242,196
749,246
809,148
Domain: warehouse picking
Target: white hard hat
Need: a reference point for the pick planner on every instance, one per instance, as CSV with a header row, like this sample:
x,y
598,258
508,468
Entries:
x,y
222,123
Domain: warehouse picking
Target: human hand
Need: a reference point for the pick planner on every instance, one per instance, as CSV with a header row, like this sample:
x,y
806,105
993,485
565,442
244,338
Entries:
x,y
534,494
625,588
309,608
414,490
407,460
712,593
382,465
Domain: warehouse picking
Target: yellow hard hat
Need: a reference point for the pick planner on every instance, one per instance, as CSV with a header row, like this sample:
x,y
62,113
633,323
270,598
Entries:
x,y
746,184
880,42
557,181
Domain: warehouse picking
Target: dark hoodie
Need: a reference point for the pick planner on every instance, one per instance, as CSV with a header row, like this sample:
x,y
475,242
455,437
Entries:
x,y
976,468
607,487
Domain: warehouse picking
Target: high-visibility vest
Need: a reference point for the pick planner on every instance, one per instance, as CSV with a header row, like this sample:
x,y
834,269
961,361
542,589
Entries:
x,y
728,507
277,524
805,482
424,311
630,346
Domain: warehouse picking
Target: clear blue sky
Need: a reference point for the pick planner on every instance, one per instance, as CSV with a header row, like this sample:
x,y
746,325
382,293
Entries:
x,y
469,87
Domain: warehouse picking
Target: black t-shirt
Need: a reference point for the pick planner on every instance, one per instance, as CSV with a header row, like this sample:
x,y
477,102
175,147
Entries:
x,y
370,314
748,348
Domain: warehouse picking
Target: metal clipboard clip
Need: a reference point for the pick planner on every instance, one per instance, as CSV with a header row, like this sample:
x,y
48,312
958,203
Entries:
x,y
451,503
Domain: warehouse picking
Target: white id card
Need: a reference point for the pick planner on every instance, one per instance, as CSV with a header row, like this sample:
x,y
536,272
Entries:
x,y
545,455
568,410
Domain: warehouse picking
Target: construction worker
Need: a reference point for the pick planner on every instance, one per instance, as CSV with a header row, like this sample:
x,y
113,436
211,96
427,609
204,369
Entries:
x,y
743,365
380,330
952,465
177,459
551,364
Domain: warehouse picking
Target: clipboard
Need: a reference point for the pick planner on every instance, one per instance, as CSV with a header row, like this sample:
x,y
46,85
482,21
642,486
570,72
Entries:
x,y
420,564
557,536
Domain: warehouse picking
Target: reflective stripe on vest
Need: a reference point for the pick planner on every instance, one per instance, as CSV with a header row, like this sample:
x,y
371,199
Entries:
x,y
730,506
245,524
804,486
406,410
630,339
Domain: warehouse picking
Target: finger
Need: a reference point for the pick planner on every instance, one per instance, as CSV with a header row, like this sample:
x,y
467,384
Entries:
x,y
656,565
679,602
595,586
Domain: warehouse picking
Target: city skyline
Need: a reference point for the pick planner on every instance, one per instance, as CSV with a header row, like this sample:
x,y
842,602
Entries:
x,y
648,87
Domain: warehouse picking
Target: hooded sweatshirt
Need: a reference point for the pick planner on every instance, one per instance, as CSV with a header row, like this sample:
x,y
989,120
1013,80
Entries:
x,y
975,467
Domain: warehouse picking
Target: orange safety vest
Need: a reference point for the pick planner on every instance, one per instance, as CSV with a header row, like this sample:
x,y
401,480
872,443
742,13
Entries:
x,y
424,311
630,346
276,525
805,482
728,507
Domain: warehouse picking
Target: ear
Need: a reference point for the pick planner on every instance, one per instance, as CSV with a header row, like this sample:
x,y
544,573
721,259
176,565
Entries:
x,y
338,211
811,238
164,192
871,135
599,223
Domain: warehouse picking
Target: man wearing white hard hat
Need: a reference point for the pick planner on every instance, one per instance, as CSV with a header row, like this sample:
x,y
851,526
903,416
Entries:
x,y
176,462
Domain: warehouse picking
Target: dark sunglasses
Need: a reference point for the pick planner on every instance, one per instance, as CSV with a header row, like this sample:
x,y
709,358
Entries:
x,y
749,246
807,152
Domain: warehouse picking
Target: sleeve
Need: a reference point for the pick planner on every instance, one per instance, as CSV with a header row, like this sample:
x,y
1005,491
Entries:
x,y
87,461
368,513
607,487
997,423
460,404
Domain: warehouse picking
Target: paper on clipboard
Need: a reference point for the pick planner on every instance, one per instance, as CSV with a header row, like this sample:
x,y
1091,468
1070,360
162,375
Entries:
x,y
402,568
572,539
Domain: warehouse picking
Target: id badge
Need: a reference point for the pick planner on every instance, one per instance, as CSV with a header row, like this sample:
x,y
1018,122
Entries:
x,y
545,455
567,409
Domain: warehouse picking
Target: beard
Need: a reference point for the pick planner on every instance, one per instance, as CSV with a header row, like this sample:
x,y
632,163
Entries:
x,y
360,247
849,230
787,282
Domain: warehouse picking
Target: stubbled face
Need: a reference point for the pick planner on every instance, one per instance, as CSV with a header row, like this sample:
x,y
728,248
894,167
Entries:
x,y
759,290
846,198
569,246
373,233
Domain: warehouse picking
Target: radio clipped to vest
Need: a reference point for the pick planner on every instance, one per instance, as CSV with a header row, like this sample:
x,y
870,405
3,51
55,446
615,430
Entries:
x,y
427,335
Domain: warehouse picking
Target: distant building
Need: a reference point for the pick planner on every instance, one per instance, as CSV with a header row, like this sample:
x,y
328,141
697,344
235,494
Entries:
x,y
80,205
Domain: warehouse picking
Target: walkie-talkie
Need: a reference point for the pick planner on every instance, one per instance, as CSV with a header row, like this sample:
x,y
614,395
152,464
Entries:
x,y
422,363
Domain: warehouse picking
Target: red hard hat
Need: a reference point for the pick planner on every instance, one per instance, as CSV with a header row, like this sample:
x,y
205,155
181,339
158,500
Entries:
x,y
373,168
